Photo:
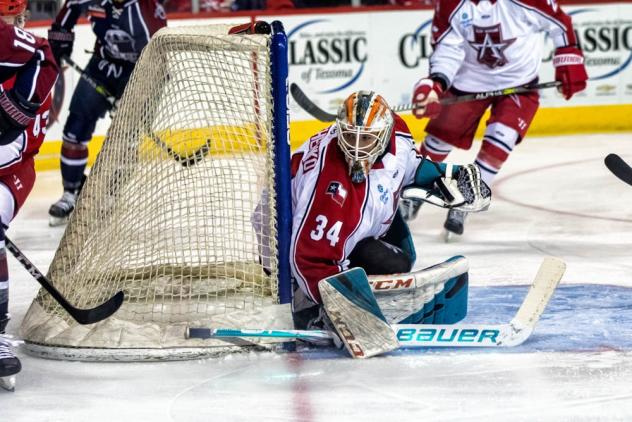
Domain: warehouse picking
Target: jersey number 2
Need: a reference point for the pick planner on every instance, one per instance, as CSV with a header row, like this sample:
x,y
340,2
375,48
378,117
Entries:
x,y
333,234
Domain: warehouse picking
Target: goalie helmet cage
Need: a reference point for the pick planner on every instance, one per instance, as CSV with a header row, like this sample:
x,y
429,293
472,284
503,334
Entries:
x,y
187,208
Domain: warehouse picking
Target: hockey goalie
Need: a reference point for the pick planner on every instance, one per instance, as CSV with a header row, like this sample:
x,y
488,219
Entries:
x,y
346,185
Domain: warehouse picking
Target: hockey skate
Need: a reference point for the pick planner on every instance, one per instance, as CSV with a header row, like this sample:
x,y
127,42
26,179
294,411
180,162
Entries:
x,y
9,364
454,224
60,211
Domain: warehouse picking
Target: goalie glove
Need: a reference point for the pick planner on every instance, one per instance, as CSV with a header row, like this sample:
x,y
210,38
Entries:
x,y
476,194
465,191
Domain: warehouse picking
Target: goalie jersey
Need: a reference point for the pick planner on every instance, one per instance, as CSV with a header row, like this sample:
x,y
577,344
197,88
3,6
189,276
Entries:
x,y
331,214
483,45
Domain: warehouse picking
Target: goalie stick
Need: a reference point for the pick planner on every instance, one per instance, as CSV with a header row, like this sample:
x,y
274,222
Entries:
x,y
186,161
82,316
310,107
514,333
619,168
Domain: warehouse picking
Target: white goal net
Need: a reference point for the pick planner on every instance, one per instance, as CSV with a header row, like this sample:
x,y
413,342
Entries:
x,y
167,212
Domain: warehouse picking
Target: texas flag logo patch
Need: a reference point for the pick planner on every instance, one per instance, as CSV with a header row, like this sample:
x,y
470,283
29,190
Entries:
x,y
338,192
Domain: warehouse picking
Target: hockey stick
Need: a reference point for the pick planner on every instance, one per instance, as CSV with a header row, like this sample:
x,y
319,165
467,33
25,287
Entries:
x,y
186,161
619,168
58,94
82,316
436,335
308,105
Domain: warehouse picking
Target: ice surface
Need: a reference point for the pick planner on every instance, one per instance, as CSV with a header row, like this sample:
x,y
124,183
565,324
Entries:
x,y
554,197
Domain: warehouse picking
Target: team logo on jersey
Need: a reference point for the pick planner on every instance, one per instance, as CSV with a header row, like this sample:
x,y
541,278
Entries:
x,y
384,194
338,192
490,45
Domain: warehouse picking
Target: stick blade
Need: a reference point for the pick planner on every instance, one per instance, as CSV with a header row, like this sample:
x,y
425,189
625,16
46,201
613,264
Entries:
x,y
99,313
546,281
619,168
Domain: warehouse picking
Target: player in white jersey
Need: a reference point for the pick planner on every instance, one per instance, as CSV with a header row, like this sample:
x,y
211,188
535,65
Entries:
x,y
484,45
346,184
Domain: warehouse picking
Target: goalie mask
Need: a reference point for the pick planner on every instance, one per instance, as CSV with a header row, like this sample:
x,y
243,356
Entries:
x,y
364,124
14,12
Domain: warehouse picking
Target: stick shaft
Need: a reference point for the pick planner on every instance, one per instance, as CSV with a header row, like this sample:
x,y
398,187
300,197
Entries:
x,y
310,107
82,316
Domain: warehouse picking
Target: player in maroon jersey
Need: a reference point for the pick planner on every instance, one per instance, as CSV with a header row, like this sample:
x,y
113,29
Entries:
x,y
27,74
485,45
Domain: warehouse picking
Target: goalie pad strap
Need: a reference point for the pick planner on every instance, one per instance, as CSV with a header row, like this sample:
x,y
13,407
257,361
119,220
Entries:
x,y
355,314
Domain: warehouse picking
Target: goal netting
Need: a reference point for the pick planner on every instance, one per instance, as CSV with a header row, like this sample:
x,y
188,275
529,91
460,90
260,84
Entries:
x,y
181,207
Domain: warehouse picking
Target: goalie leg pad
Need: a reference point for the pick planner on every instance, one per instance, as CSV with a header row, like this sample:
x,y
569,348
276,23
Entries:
x,y
455,304
449,304
355,314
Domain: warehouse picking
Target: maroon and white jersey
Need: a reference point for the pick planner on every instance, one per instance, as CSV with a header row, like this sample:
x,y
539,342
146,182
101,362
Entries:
x,y
26,146
29,60
331,214
482,45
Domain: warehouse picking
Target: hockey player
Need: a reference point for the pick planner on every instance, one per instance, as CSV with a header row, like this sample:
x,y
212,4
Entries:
x,y
484,45
27,74
122,28
346,183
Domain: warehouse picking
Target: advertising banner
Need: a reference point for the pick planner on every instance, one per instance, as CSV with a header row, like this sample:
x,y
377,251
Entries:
x,y
331,55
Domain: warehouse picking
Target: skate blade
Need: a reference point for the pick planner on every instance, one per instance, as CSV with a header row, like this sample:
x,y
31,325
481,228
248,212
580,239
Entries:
x,y
57,221
8,383
449,236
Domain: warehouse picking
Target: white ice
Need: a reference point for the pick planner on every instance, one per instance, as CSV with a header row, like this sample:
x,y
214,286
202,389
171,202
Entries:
x,y
554,197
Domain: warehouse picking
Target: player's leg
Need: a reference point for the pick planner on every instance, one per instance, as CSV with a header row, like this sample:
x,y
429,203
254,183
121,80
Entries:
x,y
14,188
9,363
454,127
86,108
510,119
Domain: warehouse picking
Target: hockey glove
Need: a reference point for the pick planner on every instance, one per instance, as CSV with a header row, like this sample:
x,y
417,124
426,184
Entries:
x,y
570,70
461,187
426,94
61,42
15,115
476,194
